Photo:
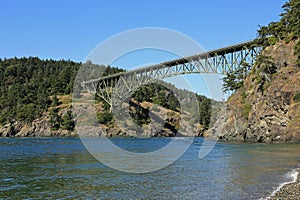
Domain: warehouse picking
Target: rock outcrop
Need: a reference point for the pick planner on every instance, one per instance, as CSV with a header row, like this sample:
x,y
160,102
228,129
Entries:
x,y
166,125
268,111
38,128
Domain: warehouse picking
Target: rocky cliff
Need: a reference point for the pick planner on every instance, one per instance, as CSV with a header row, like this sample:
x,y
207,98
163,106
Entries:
x,y
38,128
266,108
166,125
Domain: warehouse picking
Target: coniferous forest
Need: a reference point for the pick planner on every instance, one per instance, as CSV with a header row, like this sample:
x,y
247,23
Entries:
x,y
29,87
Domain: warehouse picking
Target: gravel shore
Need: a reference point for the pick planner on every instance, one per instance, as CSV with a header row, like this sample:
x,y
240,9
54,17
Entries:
x,y
289,191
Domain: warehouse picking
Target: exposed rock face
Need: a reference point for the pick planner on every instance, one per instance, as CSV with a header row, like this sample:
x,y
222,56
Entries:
x,y
38,128
7,130
165,123
166,126
268,112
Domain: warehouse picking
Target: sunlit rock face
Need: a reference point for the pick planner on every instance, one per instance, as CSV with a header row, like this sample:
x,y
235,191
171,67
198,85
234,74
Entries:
x,y
265,110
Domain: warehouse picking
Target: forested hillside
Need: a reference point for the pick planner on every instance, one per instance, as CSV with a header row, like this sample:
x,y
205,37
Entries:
x,y
26,85
39,91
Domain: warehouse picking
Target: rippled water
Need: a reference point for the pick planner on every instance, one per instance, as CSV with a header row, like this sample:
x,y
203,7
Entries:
x,y
62,168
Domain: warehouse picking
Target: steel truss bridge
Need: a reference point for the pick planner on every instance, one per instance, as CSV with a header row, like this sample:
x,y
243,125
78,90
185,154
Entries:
x,y
117,87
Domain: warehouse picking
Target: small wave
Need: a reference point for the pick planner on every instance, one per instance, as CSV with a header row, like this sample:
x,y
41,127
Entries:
x,y
178,138
7,179
292,175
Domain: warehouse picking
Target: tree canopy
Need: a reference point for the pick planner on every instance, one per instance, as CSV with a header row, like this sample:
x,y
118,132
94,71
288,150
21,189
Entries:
x,y
287,28
26,85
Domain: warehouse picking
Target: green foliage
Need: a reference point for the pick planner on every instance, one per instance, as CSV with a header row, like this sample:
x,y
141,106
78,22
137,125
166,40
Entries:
x,y
204,111
231,82
234,79
27,83
288,28
297,50
2,119
55,101
105,105
140,115
266,64
104,117
265,71
297,97
67,121
165,97
158,94
26,113
173,103
244,96
246,110
272,40
55,119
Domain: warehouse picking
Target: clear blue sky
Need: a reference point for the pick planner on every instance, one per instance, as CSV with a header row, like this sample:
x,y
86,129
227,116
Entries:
x,y
70,29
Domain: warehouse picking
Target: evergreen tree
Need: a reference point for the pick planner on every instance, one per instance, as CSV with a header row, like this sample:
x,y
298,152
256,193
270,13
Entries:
x,y
67,121
288,28
27,83
55,119
55,101
234,79
204,111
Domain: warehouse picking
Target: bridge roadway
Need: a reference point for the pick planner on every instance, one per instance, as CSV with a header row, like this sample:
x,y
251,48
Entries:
x,y
218,61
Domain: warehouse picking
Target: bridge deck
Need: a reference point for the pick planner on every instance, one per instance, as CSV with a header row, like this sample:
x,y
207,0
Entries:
x,y
211,53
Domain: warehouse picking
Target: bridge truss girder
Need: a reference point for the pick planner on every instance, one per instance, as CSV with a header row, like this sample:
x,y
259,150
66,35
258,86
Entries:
x,y
115,88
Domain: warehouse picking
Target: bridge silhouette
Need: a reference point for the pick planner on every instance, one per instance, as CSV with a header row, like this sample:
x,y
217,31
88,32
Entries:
x,y
115,88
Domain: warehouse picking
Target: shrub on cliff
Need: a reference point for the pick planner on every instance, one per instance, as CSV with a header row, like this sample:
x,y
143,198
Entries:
x,y
68,121
104,117
55,119
297,97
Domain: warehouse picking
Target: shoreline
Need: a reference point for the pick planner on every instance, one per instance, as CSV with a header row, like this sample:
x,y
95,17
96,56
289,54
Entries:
x,y
125,137
288,190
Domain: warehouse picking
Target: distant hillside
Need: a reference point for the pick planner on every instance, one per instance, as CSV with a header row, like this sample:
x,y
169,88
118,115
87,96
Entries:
x,y
35,100
160,102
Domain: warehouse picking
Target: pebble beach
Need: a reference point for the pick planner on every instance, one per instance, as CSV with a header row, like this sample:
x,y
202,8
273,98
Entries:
x,y
289,191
